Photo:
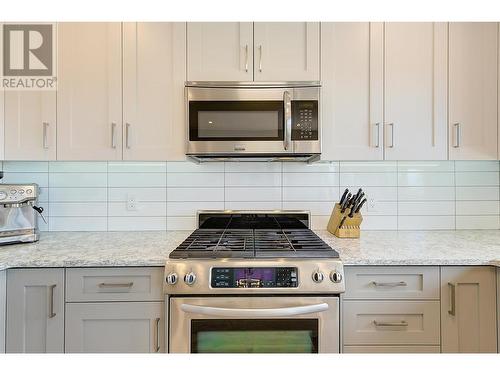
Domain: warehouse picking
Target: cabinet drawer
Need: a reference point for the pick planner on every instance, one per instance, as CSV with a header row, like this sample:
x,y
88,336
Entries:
x,y
391,322
114,284
392,349
391,282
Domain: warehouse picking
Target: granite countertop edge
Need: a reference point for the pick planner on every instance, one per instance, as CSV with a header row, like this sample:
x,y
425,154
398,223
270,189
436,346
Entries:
x,y
151,249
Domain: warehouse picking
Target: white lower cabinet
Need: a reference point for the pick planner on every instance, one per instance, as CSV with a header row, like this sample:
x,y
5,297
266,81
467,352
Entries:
x,y
115,327
468,310
35,311
498,308
3,306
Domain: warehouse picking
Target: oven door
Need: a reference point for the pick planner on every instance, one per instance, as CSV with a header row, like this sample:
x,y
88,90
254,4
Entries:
x,y
254,325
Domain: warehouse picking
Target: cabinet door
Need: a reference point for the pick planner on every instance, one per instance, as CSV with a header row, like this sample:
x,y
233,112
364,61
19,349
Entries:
x,y
115,327
473,72
415,91
30,125
352,91
153,90
35,311
89,96
3,306
2,143
220,51
468,310
286,51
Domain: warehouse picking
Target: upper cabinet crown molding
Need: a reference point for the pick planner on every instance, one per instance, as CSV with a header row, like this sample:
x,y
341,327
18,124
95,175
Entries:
x,y
246,51
473,96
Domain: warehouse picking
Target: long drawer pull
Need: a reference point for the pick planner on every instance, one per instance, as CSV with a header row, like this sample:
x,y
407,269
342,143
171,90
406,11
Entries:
x,y
451,311
402,323
52,314
116,285
157,330
399,283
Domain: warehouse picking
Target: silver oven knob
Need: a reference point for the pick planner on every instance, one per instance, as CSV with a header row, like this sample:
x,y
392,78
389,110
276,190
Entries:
x,y
318,276
189,278
336,276
3,195
172,278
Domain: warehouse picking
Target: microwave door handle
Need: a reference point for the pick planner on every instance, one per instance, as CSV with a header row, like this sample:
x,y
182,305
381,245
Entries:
x,y
254,313
287,101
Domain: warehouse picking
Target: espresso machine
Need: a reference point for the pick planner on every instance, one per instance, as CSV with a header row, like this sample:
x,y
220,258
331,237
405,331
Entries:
x,y
19,213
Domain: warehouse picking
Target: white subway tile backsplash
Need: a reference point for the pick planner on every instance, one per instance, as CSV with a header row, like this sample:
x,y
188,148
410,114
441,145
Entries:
x,y
78,179
431,193
427,195
478,208
137,179
77,194
478,178
137,167
195,179
196,194
191,208
426,222
478,193
312,193
253,179
136,223
78,166
253,167
368,179
141,209
426,179
141,194
252,194
310,179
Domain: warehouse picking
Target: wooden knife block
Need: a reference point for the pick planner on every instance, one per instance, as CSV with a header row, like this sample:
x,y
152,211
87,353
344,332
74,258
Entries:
x,y
351,226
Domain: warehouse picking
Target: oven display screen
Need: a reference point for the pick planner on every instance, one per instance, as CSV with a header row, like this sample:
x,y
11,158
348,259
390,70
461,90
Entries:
x,y
255,277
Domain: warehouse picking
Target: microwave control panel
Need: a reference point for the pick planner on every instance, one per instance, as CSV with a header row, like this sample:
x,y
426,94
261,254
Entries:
x,y
304,120
255,277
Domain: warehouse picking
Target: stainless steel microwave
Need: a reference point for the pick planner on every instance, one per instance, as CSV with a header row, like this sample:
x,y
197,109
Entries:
x,y
253,121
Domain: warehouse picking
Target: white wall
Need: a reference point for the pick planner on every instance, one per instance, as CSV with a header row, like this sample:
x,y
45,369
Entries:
x,y
410,195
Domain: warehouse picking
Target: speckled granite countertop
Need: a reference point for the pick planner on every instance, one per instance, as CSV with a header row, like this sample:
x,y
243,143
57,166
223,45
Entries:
x,y
104,249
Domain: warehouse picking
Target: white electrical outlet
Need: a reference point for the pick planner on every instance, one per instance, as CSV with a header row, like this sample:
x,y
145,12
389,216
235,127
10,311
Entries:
x,y
372,205
131,202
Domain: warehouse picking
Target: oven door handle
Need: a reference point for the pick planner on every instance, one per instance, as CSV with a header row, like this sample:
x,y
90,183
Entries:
x,y
287,100
254,313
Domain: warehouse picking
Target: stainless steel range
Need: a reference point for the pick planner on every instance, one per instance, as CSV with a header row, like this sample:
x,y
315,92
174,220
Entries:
x,y
259,282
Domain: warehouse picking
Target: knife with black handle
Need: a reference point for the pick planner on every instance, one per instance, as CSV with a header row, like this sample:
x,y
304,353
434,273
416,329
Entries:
x,y
346,203
343,196
358,208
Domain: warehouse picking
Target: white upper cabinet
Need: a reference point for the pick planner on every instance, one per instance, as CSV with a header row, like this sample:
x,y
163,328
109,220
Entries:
x,y
30,125
352,91
286,51
89,97
473,73
154,71
220,51
415,91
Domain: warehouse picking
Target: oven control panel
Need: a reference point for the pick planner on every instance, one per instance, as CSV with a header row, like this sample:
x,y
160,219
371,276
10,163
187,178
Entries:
x,y
256,277
304,120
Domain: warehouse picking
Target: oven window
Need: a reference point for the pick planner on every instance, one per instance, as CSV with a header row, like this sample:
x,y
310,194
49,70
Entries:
x,y
254,336
235,120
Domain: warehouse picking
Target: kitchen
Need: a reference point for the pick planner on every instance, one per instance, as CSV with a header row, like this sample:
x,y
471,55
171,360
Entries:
x,y
250,187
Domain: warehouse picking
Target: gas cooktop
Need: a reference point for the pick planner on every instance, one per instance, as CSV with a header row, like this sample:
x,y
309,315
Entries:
x,y
253,235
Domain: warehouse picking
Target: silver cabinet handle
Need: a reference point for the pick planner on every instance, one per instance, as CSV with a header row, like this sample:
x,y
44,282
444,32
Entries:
x,y
254,313
377,144
391,124
260,58
402,323
451,311
398,283
45,131
51,301
127,135
157,330
113,132
287,101
246,58
458,135
116,285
